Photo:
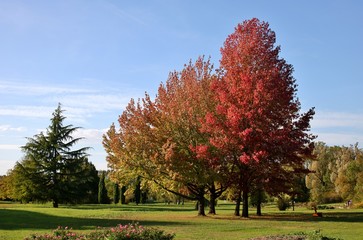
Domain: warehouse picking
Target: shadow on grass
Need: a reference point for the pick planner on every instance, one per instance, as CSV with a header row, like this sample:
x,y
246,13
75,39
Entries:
x,y
135,208
305,217
11,219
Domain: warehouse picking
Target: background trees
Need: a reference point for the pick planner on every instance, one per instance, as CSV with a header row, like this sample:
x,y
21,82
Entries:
x,y
336,174
52,170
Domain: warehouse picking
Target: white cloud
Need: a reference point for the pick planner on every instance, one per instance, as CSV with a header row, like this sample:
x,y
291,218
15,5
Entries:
x,y
90,135
340,138
5,128
338,128
26,111
6,165
337,119
24,88
9,147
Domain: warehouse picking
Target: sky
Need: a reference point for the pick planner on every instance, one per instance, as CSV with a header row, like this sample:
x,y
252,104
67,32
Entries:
x,y
93,56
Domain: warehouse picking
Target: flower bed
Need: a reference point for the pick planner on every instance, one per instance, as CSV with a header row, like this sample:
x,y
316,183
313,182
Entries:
x,y
120,232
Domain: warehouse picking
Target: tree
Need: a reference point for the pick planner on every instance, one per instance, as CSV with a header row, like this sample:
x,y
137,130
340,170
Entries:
x,y
116,193
122,195
102,191
158,140
257,124
51,170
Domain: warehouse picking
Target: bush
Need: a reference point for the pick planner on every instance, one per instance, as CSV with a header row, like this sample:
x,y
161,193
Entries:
x,y
120,232
283,203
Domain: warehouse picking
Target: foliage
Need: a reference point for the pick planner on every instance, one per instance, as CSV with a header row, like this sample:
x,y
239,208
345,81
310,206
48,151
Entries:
x,y
283,203
52,170
102,190
120,232
157,139
257,124
337,174
116,193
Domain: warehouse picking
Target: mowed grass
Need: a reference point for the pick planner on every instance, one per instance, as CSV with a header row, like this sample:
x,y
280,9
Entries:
x,y
20,220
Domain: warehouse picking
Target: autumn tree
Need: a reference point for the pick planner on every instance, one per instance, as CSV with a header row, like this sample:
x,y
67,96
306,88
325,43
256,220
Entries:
x,y
257,123
51,169
158,139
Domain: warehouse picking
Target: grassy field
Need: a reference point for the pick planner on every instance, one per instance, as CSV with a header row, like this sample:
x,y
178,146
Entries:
x,y
19,220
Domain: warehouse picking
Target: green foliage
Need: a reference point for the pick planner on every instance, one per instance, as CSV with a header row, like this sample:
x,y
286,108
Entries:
x,y
283,203
116,193
122,194
137,191
102,191
52,170
337,174
120,232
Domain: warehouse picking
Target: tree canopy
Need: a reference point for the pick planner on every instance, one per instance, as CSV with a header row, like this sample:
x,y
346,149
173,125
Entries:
x,y
52,170
240,125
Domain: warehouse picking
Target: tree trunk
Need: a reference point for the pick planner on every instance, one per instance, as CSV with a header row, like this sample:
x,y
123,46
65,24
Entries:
x,y
238,204
122,195
55,203
245,202
259,213
212,200
201,202
259,202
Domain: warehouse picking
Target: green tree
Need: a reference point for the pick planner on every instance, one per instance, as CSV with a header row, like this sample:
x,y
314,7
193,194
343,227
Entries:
x,y
51,169
116,193
122,195
102,191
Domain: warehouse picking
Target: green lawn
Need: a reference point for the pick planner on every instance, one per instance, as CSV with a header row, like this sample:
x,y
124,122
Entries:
x,y
19,220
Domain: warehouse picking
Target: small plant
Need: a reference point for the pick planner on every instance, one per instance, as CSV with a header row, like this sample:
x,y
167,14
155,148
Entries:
x,y
120,232
283,203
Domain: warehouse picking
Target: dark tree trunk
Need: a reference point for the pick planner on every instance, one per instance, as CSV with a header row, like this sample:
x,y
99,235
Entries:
x,y
259,213
238,204
212,200
245,202
259,202
55,203
201,202
122,195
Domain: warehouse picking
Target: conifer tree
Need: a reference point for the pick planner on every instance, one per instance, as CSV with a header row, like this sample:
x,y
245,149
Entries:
x,y
51,169
102,191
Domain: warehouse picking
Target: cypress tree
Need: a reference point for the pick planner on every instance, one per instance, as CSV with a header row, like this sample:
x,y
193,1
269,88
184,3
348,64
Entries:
x,y
102,191
122,195
116,193
137,191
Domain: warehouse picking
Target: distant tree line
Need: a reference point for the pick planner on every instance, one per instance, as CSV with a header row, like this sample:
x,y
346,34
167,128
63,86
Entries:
x,y
337,174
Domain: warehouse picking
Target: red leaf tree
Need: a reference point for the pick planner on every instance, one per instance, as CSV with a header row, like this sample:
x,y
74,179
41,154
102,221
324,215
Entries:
x,y
257,123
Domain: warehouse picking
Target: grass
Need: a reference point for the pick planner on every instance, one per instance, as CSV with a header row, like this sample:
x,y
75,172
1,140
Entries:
x,y
20,220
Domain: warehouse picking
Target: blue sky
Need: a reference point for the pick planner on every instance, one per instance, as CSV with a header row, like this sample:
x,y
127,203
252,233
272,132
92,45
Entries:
x,y
93,56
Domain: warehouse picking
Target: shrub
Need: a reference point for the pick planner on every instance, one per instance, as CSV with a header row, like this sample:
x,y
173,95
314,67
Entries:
x,y
120,232
283,203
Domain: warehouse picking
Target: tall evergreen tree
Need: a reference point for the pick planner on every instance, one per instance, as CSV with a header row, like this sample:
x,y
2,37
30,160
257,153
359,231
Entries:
x,y
138,191
116,193
51,170
102,191
122,195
